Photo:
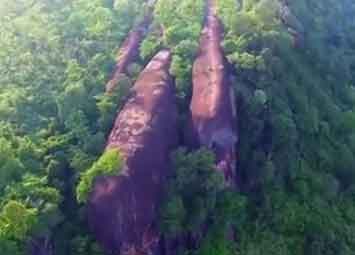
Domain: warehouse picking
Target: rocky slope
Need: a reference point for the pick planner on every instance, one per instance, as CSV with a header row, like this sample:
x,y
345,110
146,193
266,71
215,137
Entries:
x,y
123,209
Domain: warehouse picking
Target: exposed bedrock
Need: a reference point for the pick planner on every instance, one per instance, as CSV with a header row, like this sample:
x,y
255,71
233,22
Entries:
x,y
123,209
213,113
128,52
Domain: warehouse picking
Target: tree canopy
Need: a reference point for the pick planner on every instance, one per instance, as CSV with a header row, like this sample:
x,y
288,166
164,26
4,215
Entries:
x,y
292,68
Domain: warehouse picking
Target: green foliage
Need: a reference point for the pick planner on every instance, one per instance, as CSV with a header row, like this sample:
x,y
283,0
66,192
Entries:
x,y
109,104
55,58
83,245
217,243
10,247
10,166
293,78
295,121
173,215
108,164
16,221
180,23
149,47
131,12
197,196
35,193
195,174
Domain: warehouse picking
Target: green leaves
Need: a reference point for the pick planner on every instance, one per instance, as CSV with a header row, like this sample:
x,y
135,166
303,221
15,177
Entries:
x,y
35,194
164,11
83,245
197,171
295,124
130,13
100,21
55,58
295,111
108,105
177,26
180,19
217,243
16,221
196,198
173,214
149,47
181,68
11,168
247,61
192,191
110,163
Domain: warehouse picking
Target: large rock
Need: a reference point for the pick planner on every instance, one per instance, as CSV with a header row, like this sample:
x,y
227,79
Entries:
x,y
213,113
123,209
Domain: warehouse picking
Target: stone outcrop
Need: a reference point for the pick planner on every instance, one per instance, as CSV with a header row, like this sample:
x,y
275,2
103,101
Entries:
x,y
123,209
128,52
213,113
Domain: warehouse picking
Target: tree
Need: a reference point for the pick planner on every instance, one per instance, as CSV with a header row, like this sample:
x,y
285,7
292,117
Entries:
x,y
11,168
16,220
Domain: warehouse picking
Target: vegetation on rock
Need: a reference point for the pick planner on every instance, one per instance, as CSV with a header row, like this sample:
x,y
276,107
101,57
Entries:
x,y
110,163
293,68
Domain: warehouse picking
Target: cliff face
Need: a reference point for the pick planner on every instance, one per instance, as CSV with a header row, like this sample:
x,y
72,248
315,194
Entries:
x,y
128,52
123,209
213,112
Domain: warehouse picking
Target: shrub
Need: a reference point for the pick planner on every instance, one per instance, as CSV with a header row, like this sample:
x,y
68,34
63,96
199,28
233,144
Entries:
x,y
108,164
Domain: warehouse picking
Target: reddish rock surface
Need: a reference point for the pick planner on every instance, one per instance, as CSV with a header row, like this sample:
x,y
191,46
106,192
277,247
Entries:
x,y
123,209
213,113
128,52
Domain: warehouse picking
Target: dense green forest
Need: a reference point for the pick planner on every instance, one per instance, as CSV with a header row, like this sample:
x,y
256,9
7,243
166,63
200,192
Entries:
x,y
293,71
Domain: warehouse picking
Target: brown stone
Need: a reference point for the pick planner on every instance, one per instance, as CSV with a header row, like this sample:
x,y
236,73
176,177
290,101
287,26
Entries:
x,y
213,114
128,52
123,209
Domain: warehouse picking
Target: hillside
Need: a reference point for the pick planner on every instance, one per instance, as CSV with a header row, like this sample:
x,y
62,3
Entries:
x,y
168,127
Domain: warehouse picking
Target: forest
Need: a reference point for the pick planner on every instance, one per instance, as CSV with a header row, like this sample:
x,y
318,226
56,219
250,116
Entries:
x,y
177,127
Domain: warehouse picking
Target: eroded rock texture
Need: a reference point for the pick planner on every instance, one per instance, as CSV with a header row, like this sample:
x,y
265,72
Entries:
x,y
213,113
128,52
123,209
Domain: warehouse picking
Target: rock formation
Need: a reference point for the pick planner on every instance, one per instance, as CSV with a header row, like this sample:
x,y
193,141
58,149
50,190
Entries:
x,y
123,209
213,113
128,52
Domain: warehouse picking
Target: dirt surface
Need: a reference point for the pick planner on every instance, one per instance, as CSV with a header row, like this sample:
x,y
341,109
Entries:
x,y
128,52
123,209
213,113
